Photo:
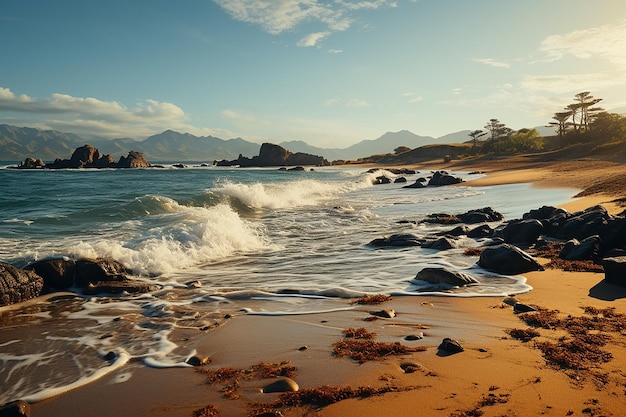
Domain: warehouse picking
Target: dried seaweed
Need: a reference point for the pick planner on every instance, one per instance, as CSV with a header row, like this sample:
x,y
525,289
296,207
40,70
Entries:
x,y
364,350
206,411
372,299
359,333
472,252
525,335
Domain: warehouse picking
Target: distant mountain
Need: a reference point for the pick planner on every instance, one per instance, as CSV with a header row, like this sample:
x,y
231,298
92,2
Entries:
x,y
16,143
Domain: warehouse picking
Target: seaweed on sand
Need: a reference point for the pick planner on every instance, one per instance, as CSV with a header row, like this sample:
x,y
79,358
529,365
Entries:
x,y
206,411
359,345
372,299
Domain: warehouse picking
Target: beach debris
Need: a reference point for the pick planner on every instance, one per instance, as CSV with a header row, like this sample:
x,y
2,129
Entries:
x,y
417,336
450,346
438,276
523,308
196,360
508,260
17,285
386,314
372,299
525,335
359,344
281,385
206,411
17,408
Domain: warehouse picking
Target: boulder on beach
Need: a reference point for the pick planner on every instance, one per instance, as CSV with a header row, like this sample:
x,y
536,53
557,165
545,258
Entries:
x,y
587,249
396,240
524,232
437,276
99,269
17,285
507,259
615,270
57,273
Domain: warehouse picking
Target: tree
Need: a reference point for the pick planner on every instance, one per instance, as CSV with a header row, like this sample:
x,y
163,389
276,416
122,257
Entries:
x,y
524,140
561,123
584,101
608,127
475,135
497,131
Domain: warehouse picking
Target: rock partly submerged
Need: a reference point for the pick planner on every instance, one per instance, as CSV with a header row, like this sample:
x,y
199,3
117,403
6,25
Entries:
x,y
88,156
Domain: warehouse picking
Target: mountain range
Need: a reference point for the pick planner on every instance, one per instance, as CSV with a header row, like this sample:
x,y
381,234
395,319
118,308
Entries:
x,y
18,143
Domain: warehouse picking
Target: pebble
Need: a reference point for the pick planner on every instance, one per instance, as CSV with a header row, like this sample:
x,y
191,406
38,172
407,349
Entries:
x,y
417,336
450,346
281,385
522,308
384,313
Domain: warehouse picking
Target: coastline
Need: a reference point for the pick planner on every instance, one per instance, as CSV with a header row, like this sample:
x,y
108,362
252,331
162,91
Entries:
x,y
514,375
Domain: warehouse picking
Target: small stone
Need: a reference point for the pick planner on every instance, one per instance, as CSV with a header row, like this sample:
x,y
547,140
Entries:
x,y
384,313
198,360
110,356
19,408
417,336
281,385
522,308
450,346
301,348
510,301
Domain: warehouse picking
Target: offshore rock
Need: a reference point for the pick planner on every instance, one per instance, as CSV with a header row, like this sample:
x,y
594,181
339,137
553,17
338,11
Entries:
x,y
440,178
399,240
17,285
274,155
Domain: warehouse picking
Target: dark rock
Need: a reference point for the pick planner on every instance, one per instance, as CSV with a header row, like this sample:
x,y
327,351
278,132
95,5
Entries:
x,y
584,223
450,346
615,270
457,231
298,168
57,273
523,232
444,276
275,155
440,178
522,308
443,243
544,213
386,314
17,408
484,230
100,269
395,171
381,180
482,215
198,360
118,287
133,160
587,249
399,180
17,285
412,337
281,385
419,183
508,260
31,163
397,240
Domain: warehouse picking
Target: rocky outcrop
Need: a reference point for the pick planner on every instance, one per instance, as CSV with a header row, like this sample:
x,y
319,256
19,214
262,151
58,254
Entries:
x,y
615,270
482,215
17,285
401,240
440,178
88,157
272,155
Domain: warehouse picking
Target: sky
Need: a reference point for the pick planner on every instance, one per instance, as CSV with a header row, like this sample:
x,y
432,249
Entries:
x,y
328,72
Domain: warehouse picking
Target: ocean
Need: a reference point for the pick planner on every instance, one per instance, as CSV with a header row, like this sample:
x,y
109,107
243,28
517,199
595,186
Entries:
x,y
218,241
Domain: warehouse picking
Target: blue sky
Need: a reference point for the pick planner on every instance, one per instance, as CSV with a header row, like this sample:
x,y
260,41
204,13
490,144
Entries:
x,y
331,73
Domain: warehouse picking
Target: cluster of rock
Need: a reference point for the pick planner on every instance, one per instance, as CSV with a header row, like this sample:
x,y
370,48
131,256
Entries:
x,y
437,179
88,157
271,155
591,234
90,276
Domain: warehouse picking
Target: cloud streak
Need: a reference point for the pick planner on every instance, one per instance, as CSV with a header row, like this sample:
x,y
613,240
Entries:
x,y
492,62
278,16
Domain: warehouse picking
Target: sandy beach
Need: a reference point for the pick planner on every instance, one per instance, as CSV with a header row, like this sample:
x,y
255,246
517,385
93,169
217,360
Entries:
x,y
496,374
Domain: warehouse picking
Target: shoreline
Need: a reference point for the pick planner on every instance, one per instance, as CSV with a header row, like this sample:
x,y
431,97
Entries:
x,y
514,375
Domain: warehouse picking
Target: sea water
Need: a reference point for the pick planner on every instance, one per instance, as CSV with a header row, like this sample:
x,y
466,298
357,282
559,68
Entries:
x,y
216,240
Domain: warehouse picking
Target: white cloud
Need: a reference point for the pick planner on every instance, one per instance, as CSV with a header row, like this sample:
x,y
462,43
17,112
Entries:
x,y
277,16
97,117
342,102
492,62
607,41
413,98
312,39
563,83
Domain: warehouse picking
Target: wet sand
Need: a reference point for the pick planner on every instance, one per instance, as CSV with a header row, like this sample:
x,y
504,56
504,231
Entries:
x,y
495,375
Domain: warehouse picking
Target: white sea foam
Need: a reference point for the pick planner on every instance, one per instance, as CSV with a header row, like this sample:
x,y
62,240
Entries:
x,y
182,238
